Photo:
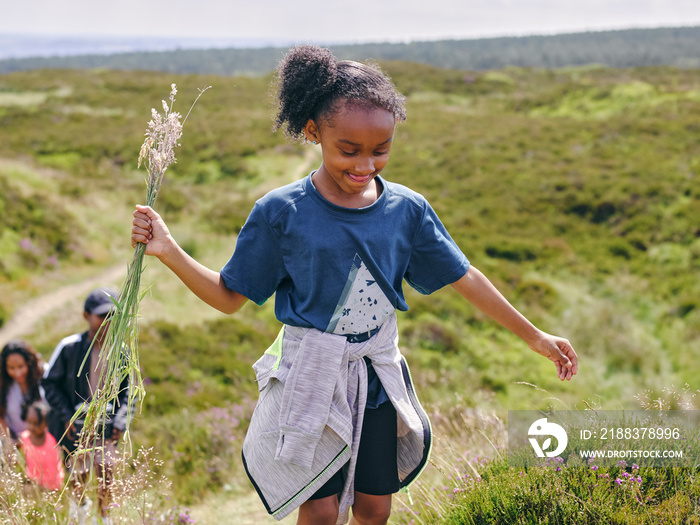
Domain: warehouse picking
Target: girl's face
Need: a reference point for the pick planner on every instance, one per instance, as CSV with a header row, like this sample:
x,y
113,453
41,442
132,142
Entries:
x,y
17,368
35,427
355,142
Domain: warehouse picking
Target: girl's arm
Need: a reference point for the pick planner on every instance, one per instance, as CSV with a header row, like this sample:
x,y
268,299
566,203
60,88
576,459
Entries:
x,y
479,291
150,229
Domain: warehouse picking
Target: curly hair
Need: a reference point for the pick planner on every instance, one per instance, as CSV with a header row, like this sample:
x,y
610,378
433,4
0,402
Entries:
x,y
33,360
311,81
41,408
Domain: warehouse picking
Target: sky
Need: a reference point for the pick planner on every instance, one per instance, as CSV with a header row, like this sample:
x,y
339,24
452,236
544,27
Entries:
x,y
334,21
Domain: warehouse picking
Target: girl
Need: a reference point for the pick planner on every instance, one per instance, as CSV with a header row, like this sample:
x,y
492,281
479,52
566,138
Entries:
x,y
41,454
20,373
337,424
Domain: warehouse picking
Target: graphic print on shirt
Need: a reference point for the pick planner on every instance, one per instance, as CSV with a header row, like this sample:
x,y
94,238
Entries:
x,y
362,306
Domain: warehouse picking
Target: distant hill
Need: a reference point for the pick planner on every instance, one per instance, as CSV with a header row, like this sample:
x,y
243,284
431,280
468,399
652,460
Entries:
x,y
622,48
21,46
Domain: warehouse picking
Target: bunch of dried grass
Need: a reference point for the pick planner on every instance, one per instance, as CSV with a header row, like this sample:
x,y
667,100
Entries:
x,y
120,352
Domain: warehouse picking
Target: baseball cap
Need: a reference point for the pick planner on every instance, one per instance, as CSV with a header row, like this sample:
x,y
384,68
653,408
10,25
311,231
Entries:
x,y
99,302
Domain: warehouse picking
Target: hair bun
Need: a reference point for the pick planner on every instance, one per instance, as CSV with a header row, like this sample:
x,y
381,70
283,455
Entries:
x,y
310,81
306,76
311,66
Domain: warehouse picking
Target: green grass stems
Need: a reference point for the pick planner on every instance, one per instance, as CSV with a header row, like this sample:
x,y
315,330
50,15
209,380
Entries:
x,y
120,348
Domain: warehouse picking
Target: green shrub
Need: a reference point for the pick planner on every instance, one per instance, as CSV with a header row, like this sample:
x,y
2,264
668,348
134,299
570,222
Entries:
x,y
199,366
537,293
512,251
558,493
36,231
200,450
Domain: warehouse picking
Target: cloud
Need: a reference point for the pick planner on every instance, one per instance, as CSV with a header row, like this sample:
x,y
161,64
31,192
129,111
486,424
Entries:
x,y
361,20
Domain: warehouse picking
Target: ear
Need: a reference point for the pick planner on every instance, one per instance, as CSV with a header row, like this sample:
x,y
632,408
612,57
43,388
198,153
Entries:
x,y
312,132
85,315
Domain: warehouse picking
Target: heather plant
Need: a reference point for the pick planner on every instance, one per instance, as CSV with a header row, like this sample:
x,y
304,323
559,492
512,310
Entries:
x,y
35,232
471,481
465,440
201,451
559,493
207,455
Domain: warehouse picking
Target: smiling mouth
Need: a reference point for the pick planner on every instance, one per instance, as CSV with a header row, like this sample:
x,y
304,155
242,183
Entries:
x,y
359,178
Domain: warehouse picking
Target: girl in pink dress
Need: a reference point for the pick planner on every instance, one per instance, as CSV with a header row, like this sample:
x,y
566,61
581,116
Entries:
x,y
40,451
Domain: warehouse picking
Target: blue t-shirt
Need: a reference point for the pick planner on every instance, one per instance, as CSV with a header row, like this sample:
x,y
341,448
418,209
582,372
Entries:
x,y
337,269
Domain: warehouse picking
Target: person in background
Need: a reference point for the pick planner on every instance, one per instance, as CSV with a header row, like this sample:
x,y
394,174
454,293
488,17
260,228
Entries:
x,y
42,456
20,375
69,389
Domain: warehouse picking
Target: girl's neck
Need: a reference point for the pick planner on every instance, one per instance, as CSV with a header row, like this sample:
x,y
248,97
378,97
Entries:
x,y
37,441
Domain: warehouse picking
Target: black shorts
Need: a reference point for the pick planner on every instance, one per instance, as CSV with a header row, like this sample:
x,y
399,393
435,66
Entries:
x,y
376,472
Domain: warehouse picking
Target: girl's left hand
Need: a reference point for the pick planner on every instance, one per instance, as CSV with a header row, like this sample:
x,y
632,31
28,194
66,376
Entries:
x,y
560,352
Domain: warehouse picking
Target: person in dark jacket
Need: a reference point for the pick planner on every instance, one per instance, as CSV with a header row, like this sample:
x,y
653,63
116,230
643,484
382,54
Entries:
x,y
68,390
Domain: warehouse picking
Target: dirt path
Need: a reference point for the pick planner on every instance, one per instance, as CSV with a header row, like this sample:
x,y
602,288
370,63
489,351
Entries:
x,y
238,510
34,310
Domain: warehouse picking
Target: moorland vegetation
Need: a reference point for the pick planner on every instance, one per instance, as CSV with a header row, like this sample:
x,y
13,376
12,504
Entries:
x,y
575,189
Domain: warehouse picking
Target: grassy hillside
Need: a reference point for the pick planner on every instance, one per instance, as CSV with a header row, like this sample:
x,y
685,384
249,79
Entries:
x,y
576,190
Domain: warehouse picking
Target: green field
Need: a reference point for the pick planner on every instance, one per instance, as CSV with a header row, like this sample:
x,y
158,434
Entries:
x,y
575,190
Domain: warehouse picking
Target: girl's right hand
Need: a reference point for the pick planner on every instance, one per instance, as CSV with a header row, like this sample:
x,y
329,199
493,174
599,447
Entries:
x,y
150,229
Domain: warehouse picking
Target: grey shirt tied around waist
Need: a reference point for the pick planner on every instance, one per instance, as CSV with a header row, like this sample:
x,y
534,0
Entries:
x,y
308,420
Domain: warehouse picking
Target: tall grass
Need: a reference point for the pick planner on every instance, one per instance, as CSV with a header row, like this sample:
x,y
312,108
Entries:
x,y
141,495
120,348
20,502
